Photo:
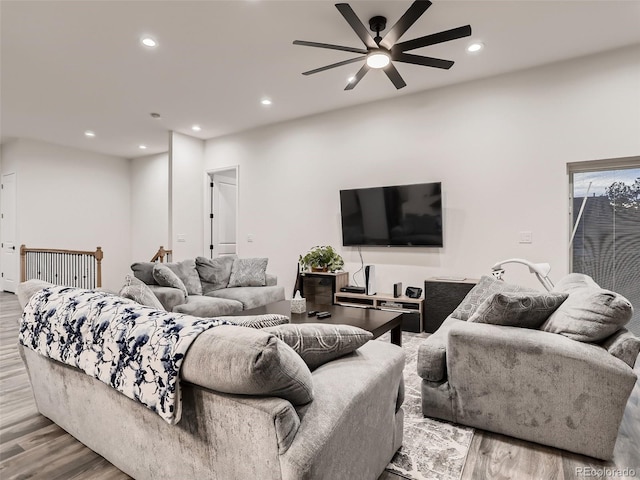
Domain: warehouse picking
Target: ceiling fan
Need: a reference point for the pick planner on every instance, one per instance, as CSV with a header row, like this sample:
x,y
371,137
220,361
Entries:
x,y
382,52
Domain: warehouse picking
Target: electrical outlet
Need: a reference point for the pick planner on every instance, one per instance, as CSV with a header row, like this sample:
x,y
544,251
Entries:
x,y
181,237
250,237
525,237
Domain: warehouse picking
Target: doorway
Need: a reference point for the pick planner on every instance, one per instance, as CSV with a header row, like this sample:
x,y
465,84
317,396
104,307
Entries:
x,y
222,212
8,250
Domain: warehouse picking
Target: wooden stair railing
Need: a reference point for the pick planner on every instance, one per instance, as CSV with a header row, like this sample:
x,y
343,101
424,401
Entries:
x,y
161,254
71,268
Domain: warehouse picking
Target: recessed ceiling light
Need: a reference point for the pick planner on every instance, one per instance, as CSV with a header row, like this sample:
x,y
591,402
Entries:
x,y
142,147
149,42
475,47
89,133
266,101
154,115
196,128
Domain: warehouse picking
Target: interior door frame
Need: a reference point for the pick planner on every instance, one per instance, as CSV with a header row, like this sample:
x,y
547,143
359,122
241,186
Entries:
x,y
208,175
15,263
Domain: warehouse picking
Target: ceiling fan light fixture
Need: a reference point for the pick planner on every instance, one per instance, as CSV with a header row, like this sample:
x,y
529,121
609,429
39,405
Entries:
x,y
378,59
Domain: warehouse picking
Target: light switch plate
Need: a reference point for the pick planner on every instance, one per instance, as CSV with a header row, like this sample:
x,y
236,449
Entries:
x,y
525,237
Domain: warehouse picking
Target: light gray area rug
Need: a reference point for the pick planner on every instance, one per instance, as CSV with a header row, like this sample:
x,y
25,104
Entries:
x,y
432,449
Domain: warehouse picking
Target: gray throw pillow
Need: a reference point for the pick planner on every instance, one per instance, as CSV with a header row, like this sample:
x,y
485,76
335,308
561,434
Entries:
x,y
257,321
186,271
166,278
144,272
518,309
486,287
248,272
319,343
136,290
590,313
246,361
214,272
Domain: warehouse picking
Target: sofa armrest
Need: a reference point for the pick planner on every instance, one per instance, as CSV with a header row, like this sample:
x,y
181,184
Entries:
x,y
271,281
356,398
169,297
432,352
538,386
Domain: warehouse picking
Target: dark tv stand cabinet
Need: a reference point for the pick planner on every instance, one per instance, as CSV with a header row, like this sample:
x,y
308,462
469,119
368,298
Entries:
x,y
320,287
441,297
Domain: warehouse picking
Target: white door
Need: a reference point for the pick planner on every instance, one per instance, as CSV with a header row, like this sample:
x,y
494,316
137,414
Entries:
x,y
8,250
223,217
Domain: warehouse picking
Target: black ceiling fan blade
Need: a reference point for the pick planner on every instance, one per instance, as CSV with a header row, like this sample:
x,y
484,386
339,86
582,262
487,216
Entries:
x,y
357,77
414,12
394,76
329,46
333,65
420,60
358,27
432,39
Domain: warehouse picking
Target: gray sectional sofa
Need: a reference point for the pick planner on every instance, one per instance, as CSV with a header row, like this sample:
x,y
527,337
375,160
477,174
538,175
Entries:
x,y
563,381
251,409
207,290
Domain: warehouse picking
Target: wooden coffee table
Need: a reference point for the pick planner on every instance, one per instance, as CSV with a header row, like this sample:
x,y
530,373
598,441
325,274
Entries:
x,y
375,321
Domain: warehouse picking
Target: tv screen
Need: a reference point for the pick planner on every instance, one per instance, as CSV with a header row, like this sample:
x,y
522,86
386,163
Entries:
x,y
402,215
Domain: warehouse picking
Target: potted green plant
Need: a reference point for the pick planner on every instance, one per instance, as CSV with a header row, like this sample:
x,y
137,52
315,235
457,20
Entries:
x,y
321,259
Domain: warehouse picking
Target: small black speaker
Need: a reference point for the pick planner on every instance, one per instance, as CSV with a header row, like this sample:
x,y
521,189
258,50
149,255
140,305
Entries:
x,y
413,292
397,289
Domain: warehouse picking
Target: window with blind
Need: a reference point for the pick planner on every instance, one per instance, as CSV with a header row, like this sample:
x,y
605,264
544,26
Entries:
x,y
606,227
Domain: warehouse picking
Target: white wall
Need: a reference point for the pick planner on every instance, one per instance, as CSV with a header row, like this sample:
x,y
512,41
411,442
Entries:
x,y
187,184
499,146
149,205
72,199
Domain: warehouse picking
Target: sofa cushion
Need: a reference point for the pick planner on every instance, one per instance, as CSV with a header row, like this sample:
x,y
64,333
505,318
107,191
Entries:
x,y
574,281
186,271
257,321
165,277
486,287
432,352
590,313
248,272
518,309
136,290
319,343
26,290
247,361
214,273
144,272
169,297
251,297
204,306
623,345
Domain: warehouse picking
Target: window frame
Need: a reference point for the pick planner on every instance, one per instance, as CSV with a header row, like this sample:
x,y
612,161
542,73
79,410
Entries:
x,y
622,163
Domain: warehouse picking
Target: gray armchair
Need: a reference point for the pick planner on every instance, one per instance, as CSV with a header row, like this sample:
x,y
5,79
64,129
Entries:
x,y
528,383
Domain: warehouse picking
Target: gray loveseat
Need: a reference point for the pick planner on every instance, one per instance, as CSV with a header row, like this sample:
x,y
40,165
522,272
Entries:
x,y
246,412
564,381
208,291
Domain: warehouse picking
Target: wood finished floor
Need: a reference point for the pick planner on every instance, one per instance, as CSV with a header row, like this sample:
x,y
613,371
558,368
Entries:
x,y
32,447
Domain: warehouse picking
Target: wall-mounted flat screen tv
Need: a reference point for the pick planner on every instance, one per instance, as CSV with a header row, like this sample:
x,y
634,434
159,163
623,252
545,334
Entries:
x,y
402,215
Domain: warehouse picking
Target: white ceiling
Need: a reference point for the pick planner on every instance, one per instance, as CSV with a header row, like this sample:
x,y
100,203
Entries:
x,y
71,66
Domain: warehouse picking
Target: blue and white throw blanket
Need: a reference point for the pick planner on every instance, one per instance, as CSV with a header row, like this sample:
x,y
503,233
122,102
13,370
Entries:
x,y
135,349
